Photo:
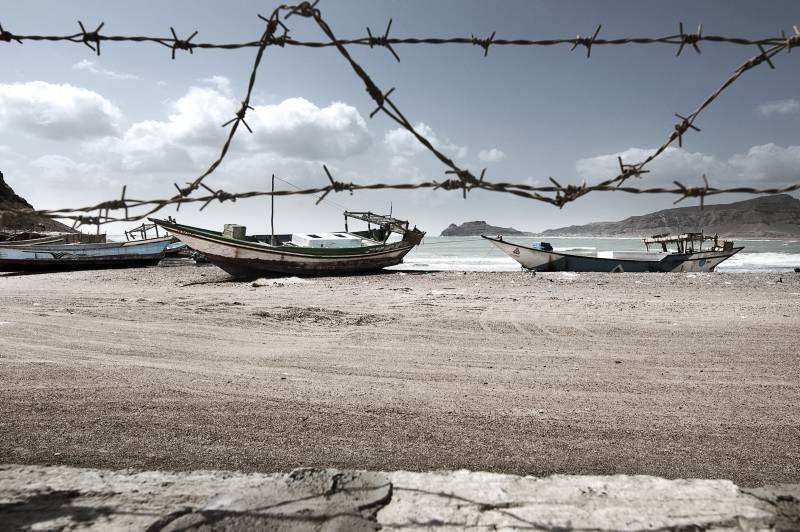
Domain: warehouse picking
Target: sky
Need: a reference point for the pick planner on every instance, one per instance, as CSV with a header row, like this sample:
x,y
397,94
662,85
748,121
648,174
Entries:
x,y
75,127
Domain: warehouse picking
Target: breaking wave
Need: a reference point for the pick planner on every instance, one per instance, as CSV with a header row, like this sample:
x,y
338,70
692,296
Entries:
x,y
741,262
765,261
575,249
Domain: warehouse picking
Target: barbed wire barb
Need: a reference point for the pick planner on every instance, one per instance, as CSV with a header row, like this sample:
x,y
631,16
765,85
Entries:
x,y
586,41
484,43
690,38
683,126
181,44
383,40
89,37
7,36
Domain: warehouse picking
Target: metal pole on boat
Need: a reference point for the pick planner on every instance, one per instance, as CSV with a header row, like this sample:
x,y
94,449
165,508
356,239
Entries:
x,y
272,212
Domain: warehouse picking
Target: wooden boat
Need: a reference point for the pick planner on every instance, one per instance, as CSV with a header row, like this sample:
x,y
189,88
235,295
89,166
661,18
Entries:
x,y
688,255
54,257
344,252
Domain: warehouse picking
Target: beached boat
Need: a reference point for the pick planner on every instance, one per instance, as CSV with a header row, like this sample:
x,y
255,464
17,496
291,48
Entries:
x,y
83,256
674,253
303,253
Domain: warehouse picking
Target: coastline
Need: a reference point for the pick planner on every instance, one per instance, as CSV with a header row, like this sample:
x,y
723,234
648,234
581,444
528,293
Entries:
x,y
674,375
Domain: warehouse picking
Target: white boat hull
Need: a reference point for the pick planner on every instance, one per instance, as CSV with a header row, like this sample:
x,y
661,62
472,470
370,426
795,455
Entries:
x,y
250,259
539,260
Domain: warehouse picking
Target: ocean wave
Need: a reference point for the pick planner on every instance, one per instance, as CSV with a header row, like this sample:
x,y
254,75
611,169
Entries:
x,y
765,261
575,248
742,262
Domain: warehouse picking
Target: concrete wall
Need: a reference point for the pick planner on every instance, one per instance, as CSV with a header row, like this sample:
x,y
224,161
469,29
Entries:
x,y
34,497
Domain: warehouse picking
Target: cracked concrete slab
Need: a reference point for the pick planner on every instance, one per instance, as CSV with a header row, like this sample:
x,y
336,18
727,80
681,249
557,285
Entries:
x,y
67,498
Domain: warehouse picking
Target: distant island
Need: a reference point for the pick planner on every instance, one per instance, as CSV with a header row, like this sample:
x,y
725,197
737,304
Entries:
x,y
775,216
480,227
23,222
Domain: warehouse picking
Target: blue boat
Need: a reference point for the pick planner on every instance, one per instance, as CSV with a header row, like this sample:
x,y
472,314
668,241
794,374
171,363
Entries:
x,y
48,257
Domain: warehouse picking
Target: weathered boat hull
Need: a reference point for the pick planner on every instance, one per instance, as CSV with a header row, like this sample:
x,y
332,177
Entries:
x,y
83,256
178,249
553,261
245,259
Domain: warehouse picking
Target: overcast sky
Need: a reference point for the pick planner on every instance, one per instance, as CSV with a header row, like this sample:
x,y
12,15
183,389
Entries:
x,y
74,127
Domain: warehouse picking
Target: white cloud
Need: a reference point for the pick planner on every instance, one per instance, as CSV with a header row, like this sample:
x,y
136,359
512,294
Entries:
x,y
253,171
298,128
673,164
61,170
60,112
192,134
221,83
290,138
768,162
182,142
491,156
196,119
764,163
402,143
90,66
779,107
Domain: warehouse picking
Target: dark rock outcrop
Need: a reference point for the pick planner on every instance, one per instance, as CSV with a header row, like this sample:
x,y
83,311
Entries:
x,y
9,200
479,227
775,216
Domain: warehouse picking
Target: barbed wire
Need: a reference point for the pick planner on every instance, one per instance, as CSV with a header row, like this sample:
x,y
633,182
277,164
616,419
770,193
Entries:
x,y
276,33
678,40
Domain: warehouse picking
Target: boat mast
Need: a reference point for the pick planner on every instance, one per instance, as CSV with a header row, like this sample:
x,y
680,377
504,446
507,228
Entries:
x,y
272,213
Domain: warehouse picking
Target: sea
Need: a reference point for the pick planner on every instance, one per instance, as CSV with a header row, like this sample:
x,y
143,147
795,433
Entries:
x,y
477,254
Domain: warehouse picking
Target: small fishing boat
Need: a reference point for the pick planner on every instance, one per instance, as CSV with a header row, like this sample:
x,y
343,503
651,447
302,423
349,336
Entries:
x,y
674,253
326,253
54,257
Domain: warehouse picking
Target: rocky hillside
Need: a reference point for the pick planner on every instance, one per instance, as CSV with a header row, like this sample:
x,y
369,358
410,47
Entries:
x,y
479,227
22,222
762,217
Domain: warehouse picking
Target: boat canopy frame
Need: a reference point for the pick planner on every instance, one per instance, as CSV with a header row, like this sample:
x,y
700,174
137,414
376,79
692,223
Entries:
x,y
142,232
685,242
387,222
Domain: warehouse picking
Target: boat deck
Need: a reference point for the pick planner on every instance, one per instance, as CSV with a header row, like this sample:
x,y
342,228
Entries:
x,y
622,255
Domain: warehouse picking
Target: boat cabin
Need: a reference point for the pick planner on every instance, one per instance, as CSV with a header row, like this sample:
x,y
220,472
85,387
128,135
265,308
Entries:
x,y
380,228
326,240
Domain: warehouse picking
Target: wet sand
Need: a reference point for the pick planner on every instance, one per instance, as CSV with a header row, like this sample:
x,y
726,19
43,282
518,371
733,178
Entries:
x,y
678,375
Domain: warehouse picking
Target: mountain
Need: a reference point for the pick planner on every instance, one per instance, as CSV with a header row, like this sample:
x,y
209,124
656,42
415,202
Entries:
x,y
479,227
23,222
775,216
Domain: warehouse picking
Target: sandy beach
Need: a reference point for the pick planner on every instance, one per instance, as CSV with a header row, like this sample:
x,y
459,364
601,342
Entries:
x,y
179,368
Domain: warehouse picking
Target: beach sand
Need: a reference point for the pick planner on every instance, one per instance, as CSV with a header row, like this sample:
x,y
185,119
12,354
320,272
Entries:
x,y
179,368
